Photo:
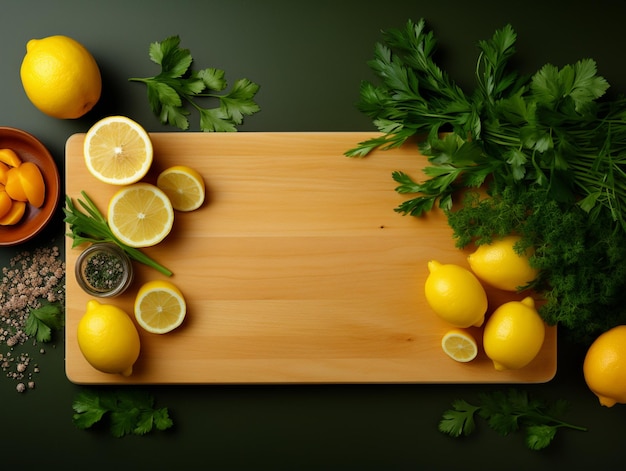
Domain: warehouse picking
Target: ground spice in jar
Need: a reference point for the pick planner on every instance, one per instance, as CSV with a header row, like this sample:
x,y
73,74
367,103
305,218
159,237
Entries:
x,y
29,280
103,269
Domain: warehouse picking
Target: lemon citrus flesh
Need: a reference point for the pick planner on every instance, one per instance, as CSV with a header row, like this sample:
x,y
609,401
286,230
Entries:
x,y
499,265
60,77
184,186
455,294
108,338
604,366
459,345
514,334
140,215
118,150
160,307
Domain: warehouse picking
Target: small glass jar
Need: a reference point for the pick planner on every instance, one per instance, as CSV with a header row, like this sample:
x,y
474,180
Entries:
x,y
103,269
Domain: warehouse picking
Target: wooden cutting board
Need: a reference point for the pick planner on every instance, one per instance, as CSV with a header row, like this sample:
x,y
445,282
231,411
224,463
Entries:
x,y
295,270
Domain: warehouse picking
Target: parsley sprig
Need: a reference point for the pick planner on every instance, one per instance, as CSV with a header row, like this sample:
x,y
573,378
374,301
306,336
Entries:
x,y
506,413
43,320
130,412
177,84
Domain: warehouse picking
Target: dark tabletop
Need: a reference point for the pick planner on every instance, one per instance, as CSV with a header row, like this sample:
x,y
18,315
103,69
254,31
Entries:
x,y
309,58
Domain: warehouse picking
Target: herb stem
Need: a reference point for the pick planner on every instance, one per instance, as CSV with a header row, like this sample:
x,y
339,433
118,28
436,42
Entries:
x,y
93,227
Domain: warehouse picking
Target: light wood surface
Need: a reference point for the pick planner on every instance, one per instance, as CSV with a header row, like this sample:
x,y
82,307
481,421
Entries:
x,y
296,269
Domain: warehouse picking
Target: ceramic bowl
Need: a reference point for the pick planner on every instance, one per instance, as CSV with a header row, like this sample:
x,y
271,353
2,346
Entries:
x,y
35,219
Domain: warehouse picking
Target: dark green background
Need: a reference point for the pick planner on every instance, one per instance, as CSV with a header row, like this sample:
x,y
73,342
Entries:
x,y
309,58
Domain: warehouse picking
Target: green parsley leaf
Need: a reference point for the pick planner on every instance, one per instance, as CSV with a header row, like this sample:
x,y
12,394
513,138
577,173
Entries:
x,y
130,412
88,409
43,320
177,84
539,436
459,420
506,413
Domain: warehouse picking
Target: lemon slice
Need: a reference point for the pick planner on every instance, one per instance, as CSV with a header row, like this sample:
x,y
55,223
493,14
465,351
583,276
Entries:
x,y
459,345
184,186
118,150
159,307
140,215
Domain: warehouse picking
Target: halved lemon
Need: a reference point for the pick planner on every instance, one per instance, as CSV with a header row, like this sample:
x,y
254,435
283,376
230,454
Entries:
x,y
459,345
159,307
118,150
184,186
140,215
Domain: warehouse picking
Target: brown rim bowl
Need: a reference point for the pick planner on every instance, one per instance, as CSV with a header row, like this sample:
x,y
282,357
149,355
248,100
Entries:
x,y
35,219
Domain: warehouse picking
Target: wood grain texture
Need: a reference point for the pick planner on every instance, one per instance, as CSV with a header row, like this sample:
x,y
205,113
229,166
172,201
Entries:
x,y
296,269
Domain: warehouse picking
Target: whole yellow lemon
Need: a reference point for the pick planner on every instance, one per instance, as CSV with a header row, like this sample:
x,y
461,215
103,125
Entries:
x,y
514,334
60,77
604,367
108,338
455,294
499,265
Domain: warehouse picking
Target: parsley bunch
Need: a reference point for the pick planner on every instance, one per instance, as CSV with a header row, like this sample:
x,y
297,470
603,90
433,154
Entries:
x,y
177,82
507,413
129,411
549,130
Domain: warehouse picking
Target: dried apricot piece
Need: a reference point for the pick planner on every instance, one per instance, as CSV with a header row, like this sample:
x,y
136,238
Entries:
x,y
9,157
15,214
4,169
14,185
32,183
5,203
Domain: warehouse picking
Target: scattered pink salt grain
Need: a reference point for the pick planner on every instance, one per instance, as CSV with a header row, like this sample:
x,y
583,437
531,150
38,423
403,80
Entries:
x,y
30,278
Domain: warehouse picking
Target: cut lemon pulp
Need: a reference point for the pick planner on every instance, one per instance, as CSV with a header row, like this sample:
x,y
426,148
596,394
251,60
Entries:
x,y
118,150
140,215
459,345
159,307
184,186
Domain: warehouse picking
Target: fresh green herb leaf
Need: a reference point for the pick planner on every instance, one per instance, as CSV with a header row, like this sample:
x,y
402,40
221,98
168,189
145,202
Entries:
x,y
92,226
129,412
178,84
506,413
459,420
43,320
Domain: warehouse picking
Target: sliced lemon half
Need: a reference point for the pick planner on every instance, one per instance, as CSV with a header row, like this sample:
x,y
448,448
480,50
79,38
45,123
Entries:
x,y
184,186
118,150
459,345
159,307
140,215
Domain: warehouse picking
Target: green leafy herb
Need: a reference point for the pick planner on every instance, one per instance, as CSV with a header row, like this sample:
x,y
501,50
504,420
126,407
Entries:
x,y
177,82
129,412
547,131
507,413
43,320
92,226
